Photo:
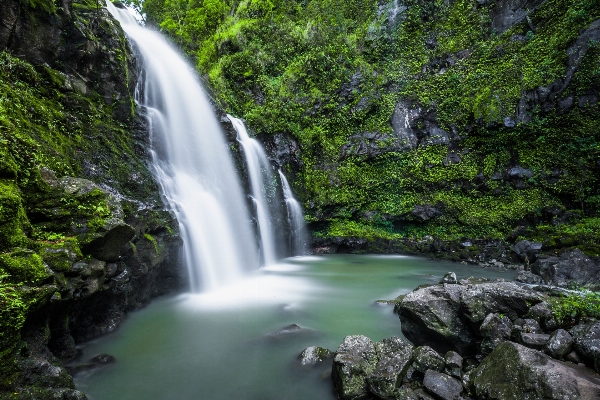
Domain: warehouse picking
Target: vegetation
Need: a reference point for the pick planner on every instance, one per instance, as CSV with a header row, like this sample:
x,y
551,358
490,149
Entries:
x,y
570,310
323,71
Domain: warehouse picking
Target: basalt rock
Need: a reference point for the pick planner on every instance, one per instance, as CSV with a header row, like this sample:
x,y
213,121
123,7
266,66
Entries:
x,y
354,361
571,268
587,343
314,355
513,371
395,356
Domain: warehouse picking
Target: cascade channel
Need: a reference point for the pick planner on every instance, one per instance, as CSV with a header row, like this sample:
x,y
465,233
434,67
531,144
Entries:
x,y
298,239
193,165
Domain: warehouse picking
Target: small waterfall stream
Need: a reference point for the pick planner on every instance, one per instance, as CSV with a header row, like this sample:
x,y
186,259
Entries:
x,y
298,236
192,163
260,176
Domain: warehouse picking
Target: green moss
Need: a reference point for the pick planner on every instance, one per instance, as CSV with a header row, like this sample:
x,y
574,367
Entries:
x,y
152,240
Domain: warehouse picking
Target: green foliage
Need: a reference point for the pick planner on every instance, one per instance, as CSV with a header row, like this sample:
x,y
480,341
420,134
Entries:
x,y
324,71
152,240
571,309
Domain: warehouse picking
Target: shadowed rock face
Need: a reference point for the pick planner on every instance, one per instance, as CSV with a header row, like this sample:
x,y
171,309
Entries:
x,y
513,371
571,268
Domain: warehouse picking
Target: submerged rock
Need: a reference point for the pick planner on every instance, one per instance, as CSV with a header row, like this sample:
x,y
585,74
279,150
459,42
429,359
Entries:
x,y
513,371
314,355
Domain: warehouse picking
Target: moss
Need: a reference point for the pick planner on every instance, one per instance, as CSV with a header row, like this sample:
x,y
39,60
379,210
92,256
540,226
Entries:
x,y
152,240
23,265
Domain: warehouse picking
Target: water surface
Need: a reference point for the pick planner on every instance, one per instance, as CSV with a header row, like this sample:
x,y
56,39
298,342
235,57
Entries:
x,y
219,345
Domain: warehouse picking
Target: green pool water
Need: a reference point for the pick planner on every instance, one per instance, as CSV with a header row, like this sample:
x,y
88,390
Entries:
x,y
220,345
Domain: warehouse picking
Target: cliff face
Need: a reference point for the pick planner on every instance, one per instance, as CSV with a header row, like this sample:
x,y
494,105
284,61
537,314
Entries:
x,y
407,118
84,236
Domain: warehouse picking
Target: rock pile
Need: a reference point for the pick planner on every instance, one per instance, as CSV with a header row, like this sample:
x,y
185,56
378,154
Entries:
x,y
477,340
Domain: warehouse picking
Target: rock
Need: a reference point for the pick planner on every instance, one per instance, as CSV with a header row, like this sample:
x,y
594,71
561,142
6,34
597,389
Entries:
x,y
423,359
507,13
505,298
404,125
406,394
513,371
527,250
425,212
432,316
534,340
314,355
454,364
543,313
529,278
103,359
587,343
395,356
286,331
442,386
559,345
494,330
450,277
573,357
571,268
355,360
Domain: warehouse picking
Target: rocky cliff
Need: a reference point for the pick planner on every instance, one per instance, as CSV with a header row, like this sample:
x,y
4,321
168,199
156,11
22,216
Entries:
x,y
84,235
407,119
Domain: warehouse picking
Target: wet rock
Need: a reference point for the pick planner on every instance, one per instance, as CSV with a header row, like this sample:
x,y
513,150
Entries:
x,y
529,278
92,364
404,125
559,344
505,298
424,358
442,386
395,356
571,268
450,277
454,364
513,371
314,355
534,340
354,361
527,250
494,330
287,330
507,13
432,316
587,343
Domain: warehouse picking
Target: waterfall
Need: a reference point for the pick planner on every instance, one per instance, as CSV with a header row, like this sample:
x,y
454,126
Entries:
x,y
192,163
260,176
298,236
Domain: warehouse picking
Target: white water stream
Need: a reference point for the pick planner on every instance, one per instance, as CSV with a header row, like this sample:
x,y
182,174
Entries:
x,y
192,163
260,176
298,235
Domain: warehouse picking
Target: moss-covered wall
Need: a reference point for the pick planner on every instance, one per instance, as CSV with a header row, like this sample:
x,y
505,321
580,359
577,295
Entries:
x,y
75,188
502,98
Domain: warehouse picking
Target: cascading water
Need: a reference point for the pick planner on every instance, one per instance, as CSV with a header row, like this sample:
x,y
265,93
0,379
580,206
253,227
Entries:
x,y
260,176
192,163
298,235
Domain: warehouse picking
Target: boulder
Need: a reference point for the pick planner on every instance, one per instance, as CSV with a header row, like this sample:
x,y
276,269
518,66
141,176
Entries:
x,y
529,278
506,298
587,343
442,386
355,360
571,268
424,358
395,356
534,340
314,355
432,316
450,277
494,330
559,344
527,250
454,364
513,371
